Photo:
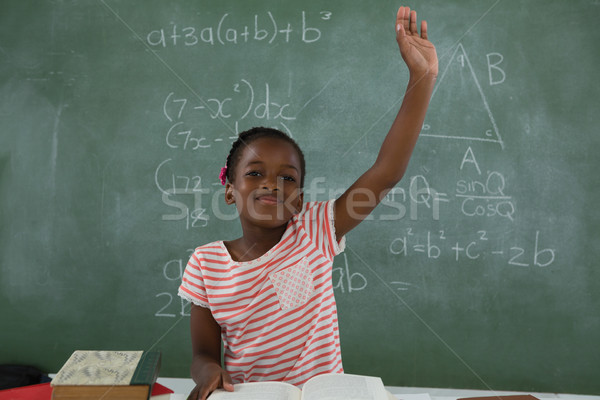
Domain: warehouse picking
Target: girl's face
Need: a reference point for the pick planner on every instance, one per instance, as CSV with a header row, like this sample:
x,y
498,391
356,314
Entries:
x,y
266,183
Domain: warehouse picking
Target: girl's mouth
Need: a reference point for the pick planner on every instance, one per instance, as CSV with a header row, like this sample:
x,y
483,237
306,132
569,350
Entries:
x,y
268,199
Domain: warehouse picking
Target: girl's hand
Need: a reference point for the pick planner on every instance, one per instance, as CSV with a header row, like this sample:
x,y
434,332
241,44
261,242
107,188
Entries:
x,y
416,50
213,377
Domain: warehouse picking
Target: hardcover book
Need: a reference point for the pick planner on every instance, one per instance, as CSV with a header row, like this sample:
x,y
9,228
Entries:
x,y
109,375
43,391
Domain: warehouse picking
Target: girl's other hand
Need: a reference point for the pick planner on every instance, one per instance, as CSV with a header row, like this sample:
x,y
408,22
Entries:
x,y
417,51
213,377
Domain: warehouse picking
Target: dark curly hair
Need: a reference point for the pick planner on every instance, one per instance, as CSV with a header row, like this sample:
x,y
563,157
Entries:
x,y
247,137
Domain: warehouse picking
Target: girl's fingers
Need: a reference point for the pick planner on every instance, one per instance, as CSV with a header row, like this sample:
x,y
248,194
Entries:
x,y
402,18
424,30
226,381
399,18
407,19
400,33
204,392
413,22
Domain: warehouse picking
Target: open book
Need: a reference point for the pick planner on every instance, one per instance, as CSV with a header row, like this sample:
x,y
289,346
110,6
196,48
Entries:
x,y
320,387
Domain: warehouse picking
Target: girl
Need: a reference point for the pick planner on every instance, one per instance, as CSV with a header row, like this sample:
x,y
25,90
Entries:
x,y
267,297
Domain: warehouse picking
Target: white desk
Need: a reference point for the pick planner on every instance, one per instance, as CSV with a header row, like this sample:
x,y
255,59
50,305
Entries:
x,y
182,387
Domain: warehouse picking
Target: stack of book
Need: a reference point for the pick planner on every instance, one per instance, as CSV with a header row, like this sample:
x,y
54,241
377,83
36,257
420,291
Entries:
x,y
106,375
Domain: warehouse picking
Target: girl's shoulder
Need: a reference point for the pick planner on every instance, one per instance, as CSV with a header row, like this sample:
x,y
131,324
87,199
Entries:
x,y
314,209
216,247
314,205
211,245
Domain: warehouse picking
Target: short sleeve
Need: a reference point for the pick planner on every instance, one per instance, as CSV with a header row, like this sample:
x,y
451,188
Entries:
x,y
192,286
317,218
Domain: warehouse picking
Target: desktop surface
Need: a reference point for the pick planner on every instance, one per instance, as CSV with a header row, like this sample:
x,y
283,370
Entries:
x,y
183,386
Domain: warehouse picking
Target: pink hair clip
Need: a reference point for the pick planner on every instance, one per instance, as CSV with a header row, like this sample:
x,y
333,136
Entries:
x,y
223,175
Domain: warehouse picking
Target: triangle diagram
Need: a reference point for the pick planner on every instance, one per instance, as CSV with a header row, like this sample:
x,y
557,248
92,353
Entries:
x,y
458,107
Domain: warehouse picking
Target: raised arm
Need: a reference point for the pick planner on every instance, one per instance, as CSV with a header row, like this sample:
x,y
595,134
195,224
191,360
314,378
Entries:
x,y
420,56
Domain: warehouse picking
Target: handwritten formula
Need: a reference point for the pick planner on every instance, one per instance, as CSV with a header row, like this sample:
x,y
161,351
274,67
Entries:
x,y
262,28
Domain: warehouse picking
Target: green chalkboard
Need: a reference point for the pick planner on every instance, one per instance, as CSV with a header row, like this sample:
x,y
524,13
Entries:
x,y
480,270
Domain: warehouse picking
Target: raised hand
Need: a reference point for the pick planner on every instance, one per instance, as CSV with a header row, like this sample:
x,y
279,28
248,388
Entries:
x,y
417,51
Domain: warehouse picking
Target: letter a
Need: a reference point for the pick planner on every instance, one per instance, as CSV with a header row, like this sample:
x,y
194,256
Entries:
x,y
470,158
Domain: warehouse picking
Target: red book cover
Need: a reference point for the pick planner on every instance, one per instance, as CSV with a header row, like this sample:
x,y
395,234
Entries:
x,y
158,390
43,391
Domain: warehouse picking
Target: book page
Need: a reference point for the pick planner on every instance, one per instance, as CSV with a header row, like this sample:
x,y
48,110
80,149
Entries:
x,y
258,391
344,387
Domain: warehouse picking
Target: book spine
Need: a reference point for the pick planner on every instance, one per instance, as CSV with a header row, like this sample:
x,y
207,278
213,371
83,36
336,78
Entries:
x,y
147,369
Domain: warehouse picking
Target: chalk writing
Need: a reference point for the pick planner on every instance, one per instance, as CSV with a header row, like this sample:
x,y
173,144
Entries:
x,y
178,137
262,29
174,183
167,304
179,188
483,197
434,244
460,69
172,271
487,206
244,100
346,281
403,286
193,216
493,60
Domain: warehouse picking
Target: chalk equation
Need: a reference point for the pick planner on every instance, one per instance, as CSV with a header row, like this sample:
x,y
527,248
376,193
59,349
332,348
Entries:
x,y
262,28
485,197
244,100
433,244
486,194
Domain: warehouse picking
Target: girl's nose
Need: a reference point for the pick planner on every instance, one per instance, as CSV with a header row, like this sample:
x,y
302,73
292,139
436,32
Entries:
x,y
270,182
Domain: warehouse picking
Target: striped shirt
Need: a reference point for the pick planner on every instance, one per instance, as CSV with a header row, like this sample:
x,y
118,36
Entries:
x,y
277,313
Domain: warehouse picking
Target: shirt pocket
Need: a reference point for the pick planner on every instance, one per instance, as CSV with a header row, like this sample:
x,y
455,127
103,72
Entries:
x,y
293,285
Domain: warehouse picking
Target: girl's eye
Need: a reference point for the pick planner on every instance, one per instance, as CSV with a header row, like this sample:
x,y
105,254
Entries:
x,y
253,173
288,178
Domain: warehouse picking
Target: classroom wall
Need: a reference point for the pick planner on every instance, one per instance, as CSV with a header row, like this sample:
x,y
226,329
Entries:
x,y
479,270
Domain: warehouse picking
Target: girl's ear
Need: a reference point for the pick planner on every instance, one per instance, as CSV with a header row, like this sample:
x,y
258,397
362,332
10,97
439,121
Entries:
x,y
300,202
229,197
